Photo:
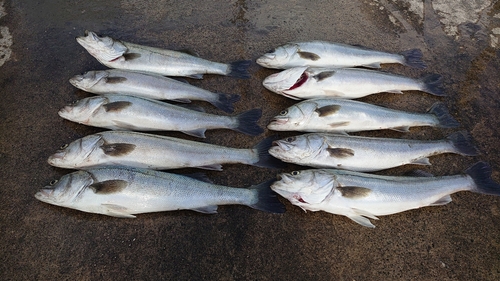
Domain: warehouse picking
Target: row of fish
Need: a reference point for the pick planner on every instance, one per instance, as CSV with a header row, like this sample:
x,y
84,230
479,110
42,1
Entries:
x,y
322,73
117,174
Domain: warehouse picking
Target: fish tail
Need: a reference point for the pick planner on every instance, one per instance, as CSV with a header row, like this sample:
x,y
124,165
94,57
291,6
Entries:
x,y
445,120
239,69
265,159
247,122
433,84
462,142
225,102
481,175
413,58
267,199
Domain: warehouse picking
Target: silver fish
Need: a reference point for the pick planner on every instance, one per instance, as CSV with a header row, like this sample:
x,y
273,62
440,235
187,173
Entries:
x,y
360,196
346,83
141,150
327,54
123,55
121,112
124,192
340,115
365,154
115,81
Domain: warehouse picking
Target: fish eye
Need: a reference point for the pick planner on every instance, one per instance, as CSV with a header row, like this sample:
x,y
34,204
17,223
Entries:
x,y
63,146
284,112
271,51
53,182
290,139
295,173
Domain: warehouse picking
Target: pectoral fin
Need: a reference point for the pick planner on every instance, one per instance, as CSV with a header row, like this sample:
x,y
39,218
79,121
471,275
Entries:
x,y
324,75
108,187
308,56
327,110
118,149
115,80
354,192
116,106
340,152
117,211
131,56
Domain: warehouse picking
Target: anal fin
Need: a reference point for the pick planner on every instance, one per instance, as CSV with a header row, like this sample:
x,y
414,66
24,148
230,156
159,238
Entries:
x,y
212,209
442,201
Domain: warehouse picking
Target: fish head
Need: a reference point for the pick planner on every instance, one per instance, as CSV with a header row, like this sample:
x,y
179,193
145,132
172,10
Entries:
x,y
279,57
65,191
88,79
75,154
286,80
292,118
295,148
104,49
305,188
81,110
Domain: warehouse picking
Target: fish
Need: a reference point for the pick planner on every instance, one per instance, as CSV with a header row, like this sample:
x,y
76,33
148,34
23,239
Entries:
x,y
129,56
366,154
362,196
328,54
341,116
122,112
134,149
124,192
347,83
148,85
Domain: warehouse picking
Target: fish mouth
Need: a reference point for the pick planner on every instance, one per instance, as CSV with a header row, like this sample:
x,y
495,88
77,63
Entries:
x,y
265,59
76,80
286,80
56,157
44,194
277,121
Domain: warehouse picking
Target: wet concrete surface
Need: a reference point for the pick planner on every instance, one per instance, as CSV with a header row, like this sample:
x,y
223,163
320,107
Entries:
x,y
459,241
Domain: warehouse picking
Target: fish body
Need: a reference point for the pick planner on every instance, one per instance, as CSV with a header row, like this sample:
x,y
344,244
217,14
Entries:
x,y
360,196
365,154
124,192
328,54
122,112
129,56
133,149
346,83
340,115
116,81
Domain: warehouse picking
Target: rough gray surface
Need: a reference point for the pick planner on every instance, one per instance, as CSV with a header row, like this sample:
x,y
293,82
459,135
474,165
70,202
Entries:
x,y
459,241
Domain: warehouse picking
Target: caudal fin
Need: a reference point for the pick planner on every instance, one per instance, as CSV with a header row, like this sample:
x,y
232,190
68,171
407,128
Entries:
x,y
265,159
267,199
239,69
481,174
225,102
247,122
445,120
433,84
462,142
413,58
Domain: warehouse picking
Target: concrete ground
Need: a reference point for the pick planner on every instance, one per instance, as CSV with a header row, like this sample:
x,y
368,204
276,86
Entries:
x,y
38,241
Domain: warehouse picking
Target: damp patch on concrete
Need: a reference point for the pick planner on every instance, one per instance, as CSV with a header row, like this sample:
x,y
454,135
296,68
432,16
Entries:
x,y
5,39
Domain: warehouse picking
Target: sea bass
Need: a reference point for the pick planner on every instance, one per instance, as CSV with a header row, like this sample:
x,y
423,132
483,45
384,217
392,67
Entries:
x,y
121,112
123,55
365,154
360,196
141,150
340,115
115,81
327,54
347,83
124,192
